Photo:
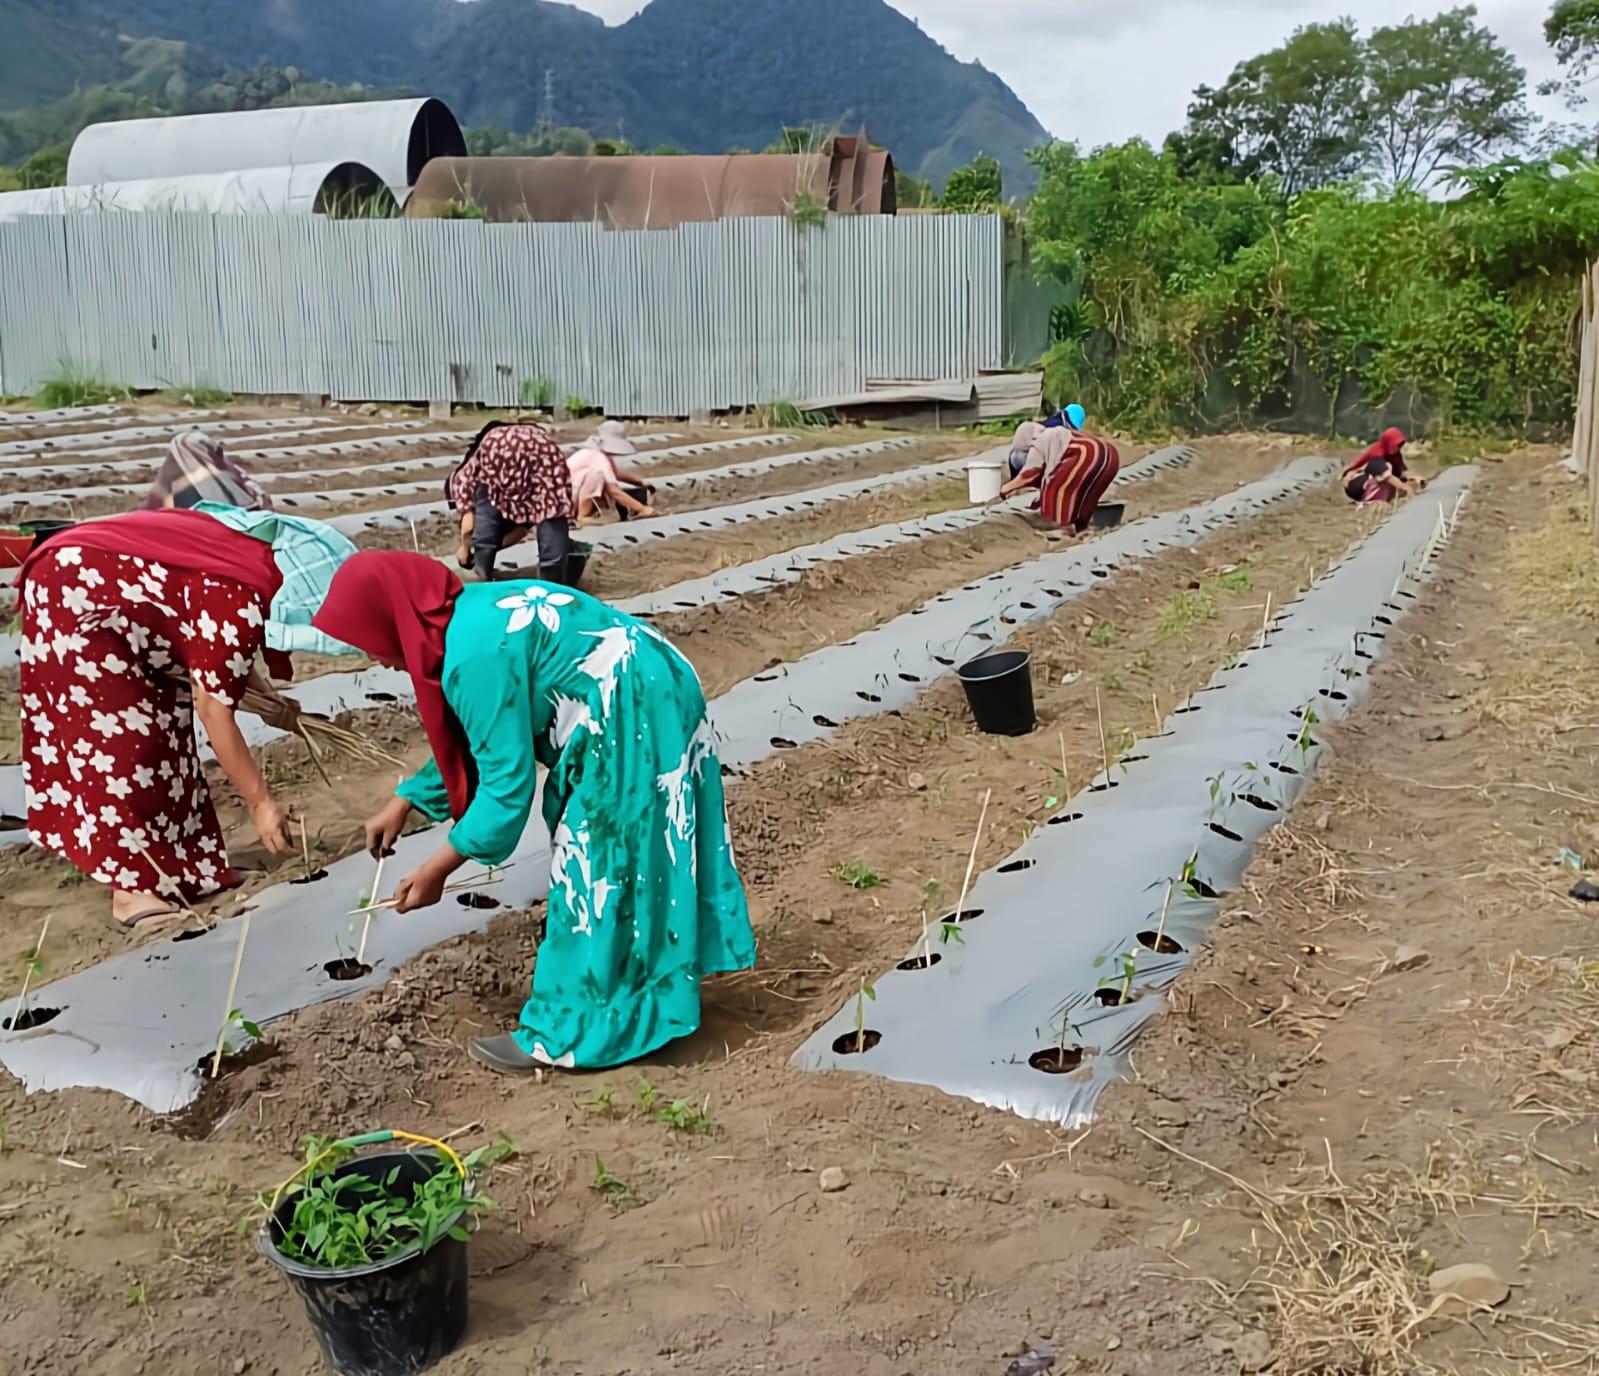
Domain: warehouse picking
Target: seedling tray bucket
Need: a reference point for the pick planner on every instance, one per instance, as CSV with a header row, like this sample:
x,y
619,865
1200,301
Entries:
x,y
999,688
1107,515
576,562
395,1317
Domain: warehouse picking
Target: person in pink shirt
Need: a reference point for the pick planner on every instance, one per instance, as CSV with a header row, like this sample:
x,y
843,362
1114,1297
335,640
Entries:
x,y
597,481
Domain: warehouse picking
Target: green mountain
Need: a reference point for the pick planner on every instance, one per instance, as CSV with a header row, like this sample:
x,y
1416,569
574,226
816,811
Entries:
x,y
700,75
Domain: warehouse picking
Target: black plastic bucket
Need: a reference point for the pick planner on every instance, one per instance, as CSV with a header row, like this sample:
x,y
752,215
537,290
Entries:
x,y
999,688
640,494
1107,514
576,561
396,1317
44,530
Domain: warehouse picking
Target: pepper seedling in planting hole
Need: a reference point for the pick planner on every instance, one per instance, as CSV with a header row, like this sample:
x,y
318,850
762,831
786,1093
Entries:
x,y
866,992
1124,967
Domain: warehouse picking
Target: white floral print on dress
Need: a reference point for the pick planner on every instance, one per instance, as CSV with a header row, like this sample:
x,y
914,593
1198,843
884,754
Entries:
x,y
535,603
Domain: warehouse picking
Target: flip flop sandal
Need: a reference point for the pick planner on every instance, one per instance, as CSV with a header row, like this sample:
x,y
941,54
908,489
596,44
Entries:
x,y
134,926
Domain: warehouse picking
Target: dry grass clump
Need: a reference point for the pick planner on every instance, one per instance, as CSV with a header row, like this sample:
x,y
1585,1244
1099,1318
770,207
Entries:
x,y
1556,568
1542,1027
1342,1274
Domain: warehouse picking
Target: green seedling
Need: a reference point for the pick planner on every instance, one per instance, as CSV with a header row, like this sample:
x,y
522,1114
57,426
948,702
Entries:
x,y
1103,634
950,931
1123,965
858,876
618,1194
648,1096
602,1102
134,1295
1110,680
32,964
348,1220
236,1019
1230,660
1190,867
576,406
682,1116
1304,740
866,992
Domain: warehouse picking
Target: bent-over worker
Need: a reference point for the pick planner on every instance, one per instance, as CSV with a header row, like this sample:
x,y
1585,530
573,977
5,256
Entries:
x,y
598,480
1379,474
513,481
131,626
644,898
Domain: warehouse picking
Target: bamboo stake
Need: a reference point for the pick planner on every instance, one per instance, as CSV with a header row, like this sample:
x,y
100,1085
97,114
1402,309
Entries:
x,y
1065,772
233,988
1154,703
1104,749
481,882
377,879
1265,621
971,860
415,543
27,975
305,847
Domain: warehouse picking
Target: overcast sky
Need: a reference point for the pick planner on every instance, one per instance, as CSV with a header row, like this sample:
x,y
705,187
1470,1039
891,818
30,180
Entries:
x,y
1099,71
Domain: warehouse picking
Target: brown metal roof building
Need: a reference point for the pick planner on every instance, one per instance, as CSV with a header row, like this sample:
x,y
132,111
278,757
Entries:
x,y
659,192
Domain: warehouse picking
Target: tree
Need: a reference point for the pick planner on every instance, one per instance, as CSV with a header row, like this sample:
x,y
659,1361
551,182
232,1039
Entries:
x,y
1440,94
1572,30
976,189
1298,111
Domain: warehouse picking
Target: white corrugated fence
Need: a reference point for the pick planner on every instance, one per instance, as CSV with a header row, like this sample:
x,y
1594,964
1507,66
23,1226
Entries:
x,y
660,322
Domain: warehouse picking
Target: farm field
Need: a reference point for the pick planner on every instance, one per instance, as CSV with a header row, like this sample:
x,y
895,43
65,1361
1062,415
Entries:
x,y
1373,1039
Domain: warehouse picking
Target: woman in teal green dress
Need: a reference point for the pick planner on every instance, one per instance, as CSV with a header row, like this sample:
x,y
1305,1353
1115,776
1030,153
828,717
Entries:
x,y
644,898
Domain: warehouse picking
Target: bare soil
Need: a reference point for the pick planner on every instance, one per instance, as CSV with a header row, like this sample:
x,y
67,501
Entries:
x,y
1319,1118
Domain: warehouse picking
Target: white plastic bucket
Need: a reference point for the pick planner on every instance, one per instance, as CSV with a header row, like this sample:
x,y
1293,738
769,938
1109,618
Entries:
x,y
984,478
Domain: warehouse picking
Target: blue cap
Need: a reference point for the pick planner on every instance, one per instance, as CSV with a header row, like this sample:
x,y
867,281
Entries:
x,y
1076,415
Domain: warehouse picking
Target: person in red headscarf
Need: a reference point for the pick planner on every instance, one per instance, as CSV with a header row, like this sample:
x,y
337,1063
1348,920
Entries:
x,y
1380,474
644,898
131,626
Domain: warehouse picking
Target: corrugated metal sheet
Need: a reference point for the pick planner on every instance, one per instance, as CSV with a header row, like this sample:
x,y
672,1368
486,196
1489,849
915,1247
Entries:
x,y
304,189
663,322
395,137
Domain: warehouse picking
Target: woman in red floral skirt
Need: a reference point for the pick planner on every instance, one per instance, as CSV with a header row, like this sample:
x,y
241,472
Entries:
x,y
130,627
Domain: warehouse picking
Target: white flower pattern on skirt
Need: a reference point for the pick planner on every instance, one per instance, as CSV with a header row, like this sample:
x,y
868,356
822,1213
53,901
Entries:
x,y
104,720
535,602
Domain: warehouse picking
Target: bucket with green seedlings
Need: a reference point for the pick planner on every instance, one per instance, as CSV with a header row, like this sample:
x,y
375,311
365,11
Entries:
x,y
376,1247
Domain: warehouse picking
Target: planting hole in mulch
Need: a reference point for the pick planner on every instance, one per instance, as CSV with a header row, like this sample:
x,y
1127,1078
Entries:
x,y
1285,768
477,900
1220,830
964,915
1109,997
820,720
189,933
375,696
852,1042
783,743
1132,759
920,962
867,697
29,1018
1203,889
1261,803
348,968
1056,1060
1160,943
1100,788
254,1054
1017,865
310,878
8,822
1066,817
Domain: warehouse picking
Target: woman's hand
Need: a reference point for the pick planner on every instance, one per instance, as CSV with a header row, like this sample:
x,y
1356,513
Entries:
x,y
424,886
272,822
385,828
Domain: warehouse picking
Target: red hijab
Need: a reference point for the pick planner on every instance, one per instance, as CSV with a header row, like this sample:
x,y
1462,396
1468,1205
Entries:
x,y
180,539
1388,445
396,606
